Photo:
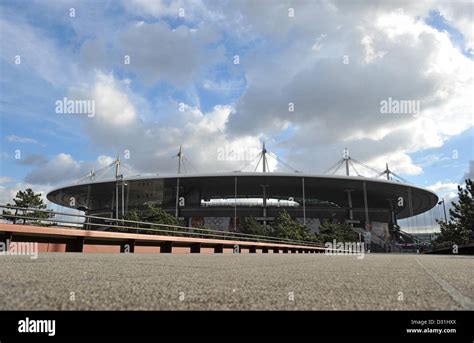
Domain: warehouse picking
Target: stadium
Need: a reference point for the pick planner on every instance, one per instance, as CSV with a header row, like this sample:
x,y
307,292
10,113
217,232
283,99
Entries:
x,y
220,201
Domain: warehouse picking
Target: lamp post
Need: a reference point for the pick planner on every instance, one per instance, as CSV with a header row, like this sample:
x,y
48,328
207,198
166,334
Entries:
x,y
444,209
124,184
235,203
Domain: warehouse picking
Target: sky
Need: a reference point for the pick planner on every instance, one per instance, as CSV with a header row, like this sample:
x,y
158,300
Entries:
x,y
308,77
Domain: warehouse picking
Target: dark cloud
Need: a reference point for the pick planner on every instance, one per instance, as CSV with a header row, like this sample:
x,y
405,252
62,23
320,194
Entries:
x,y
32,159
159,53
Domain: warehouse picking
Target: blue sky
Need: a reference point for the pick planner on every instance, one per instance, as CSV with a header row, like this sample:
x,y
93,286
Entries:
x,y
423,52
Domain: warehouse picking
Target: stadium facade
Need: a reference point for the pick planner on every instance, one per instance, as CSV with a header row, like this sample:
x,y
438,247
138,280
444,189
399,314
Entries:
x,y
221,200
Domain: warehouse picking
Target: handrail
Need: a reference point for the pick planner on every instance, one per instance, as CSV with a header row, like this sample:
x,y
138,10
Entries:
x,y
136,222
182,230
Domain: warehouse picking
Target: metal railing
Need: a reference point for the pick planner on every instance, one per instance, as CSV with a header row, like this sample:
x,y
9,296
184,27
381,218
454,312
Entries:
x,y
131,226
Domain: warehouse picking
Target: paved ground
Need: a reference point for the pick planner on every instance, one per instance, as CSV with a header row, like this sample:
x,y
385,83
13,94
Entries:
x,y
227,281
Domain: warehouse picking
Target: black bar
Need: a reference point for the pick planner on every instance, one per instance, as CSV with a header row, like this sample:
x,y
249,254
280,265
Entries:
x,y
283,323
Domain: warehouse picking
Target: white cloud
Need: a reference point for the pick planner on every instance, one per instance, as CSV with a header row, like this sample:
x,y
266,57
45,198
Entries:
x,y
104,160
391,54
334,102
459,14
223,86
318,43
8,193
117,125
156,8
64,168
18,139
45,60
58,168
186,10
5,179
443,187
450,197
370,53
112,105
399,162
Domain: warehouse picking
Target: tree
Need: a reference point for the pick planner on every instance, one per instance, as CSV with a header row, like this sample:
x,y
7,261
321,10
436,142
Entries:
x,y
27,199
286,227
153,214
251,226
339,232
460,228
133,215
156,214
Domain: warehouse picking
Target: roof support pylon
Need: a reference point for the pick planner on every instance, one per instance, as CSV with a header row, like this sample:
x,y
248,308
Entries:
x,y
117,166
346,158
180,158
264,157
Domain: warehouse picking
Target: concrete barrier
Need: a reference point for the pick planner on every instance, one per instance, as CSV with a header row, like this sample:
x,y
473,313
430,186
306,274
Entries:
x,y
63,239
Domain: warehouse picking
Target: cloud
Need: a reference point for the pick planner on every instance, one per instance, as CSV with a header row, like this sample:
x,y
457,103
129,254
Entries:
x,y
18,139
336,105
32,159
151,144
391,54
93,54
159,53
5,179
185,10
8,193
64,168
443,187
370,54
459,14
116,119
223,86
399,162
299,60
157,8
61,167
470,173
451,197
45,60
111,103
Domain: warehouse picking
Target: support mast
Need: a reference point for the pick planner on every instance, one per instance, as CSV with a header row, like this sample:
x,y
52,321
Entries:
x,y
180,156
264,157
346,159
117,171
